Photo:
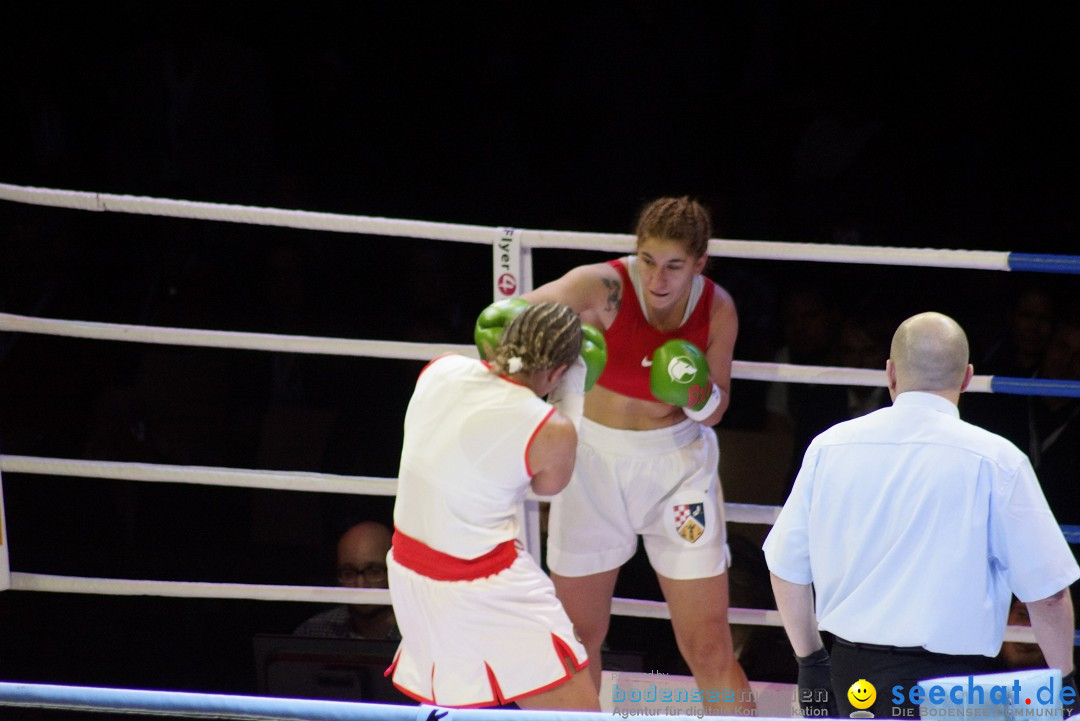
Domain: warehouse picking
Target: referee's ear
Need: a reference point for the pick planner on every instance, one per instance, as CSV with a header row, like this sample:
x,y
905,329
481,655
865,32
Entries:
x,y
969,373
890,375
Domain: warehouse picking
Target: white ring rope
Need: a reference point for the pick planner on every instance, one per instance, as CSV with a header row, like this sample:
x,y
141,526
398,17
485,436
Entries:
x,y
637,608
862,254
608,242
202,475
402,350
287,481
21,581
271,480
300,219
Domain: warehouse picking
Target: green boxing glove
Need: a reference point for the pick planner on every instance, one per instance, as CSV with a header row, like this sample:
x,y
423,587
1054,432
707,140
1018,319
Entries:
x,y
492,320
594,351
680,376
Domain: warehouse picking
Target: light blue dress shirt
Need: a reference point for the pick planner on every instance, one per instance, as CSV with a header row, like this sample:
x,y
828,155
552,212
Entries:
x,y
915,528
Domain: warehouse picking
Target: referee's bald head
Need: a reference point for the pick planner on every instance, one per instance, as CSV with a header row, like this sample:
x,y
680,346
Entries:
x,y
930,353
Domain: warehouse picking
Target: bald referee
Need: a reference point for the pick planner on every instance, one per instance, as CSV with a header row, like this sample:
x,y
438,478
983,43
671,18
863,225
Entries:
x,y
910,528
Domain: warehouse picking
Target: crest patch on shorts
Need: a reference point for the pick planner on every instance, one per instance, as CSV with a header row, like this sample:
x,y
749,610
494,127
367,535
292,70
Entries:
x,y
690,520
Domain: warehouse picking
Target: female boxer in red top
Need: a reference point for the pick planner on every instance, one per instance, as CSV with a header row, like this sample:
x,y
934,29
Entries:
x,y
647,456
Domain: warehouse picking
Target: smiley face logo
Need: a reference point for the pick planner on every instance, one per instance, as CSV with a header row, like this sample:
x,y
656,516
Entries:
x,y
862,694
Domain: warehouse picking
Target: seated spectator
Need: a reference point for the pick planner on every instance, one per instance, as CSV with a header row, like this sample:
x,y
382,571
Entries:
x,y
361,563
1052,438
1018,351
810,321
863,342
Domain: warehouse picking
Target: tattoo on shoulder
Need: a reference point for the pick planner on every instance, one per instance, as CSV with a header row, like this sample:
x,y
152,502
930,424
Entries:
x,y
614,299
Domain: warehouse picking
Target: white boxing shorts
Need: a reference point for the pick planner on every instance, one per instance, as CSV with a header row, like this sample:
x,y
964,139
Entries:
x,y
662,484
481,642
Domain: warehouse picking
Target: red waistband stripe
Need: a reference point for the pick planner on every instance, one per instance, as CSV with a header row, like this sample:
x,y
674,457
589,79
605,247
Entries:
x,y
425,560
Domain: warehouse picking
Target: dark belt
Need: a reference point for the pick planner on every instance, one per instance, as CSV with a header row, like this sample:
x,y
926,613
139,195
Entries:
x,y
905,650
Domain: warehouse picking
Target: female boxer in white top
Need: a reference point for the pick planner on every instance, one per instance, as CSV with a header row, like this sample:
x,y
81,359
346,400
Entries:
x,y
479,620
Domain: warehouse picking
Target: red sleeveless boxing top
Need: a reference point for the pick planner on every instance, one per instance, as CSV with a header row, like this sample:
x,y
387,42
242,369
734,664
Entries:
x,y
631,340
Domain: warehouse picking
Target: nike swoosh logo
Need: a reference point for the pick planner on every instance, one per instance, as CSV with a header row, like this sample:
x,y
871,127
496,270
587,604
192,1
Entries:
x,y
645,362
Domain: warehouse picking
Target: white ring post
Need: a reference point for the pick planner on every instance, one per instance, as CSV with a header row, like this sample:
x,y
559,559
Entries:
x,y
5,564
532,506
526,266
511,272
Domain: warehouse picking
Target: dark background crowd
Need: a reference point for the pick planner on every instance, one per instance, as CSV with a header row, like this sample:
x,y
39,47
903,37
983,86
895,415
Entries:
x,y
943,125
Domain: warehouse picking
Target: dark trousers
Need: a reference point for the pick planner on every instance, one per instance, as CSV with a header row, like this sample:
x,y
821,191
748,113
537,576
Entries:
x,y
889,666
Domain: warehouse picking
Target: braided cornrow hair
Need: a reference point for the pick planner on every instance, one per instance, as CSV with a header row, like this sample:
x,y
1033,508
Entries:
x,y
681,219
543,336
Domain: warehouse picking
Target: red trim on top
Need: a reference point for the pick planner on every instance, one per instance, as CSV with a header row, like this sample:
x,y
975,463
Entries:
x,y
536,431
631,338
508,379
428,364
425,560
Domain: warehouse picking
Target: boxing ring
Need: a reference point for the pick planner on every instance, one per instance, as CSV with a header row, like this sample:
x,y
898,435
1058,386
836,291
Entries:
x,y
512,270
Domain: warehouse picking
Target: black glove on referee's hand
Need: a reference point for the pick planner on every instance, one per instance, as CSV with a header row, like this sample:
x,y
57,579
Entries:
x,y
1071,706
815,686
